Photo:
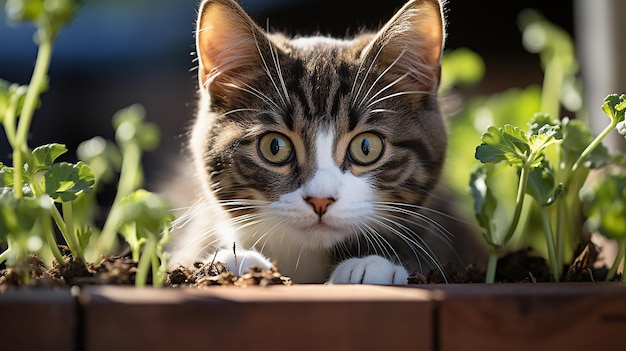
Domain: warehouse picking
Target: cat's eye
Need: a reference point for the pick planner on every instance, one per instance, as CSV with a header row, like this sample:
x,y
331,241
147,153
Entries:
x,y
275,148
366,148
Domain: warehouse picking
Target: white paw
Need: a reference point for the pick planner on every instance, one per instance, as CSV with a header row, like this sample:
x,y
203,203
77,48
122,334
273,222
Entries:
x,y
369,270
239,261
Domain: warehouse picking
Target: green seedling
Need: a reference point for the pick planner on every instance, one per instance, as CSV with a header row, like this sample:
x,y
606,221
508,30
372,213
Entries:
x,y
144,222
40,196
133,136
555,189
525,191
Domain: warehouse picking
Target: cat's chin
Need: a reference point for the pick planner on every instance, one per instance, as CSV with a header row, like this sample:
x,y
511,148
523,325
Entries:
x,y
322,235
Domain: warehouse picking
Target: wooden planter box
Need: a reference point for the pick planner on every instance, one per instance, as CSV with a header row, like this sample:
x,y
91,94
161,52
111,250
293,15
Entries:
x,y
38,320
315,317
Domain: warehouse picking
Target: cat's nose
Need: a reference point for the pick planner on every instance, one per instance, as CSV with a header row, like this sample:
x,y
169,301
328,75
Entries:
x,y
320,204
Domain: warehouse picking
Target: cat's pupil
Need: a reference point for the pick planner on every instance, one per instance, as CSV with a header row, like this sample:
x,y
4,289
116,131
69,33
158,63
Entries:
x,y
275,145
365,147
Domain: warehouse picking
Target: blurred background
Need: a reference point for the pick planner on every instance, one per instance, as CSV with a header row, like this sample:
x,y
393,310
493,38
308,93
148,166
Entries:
x,y
120,52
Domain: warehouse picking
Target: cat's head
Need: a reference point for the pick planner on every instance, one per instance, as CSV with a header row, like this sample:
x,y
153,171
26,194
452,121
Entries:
x,y
317,134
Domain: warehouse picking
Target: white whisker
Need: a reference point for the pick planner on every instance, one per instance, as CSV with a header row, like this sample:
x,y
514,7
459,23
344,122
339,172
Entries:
x,y
369,69
412,240
254,92
274,53
390,96
424,208
268,71
414,214
379,78
382,110
381,239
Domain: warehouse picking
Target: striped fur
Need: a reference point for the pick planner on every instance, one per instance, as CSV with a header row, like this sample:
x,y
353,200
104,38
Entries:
x,y
320,93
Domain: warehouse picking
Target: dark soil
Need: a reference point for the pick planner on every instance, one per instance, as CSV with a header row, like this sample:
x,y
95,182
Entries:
x,y
121,270
207,274
117,270
523,266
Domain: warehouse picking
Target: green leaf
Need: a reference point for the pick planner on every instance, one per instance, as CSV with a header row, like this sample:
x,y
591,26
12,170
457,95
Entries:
x,y
615,106
130,127
102,156
485,203
546,136
576,137
147,210
461,66
11,97
511,144
49,14
604,203
5,96
65,181
6,176
24,10
542,123
84,234
503,144
44,156
541,184
18,216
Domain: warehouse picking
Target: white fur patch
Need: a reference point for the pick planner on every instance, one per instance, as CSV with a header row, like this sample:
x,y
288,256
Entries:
x,y
369,270
239,261
326,181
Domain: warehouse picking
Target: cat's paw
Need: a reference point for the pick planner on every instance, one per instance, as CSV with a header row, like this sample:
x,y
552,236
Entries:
x,y
239,261
369,270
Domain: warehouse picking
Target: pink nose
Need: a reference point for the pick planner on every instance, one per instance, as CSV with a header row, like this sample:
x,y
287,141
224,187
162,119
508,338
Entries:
x,y
320,205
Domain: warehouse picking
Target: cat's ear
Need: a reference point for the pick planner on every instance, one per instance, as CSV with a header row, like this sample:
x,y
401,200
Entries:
x,y
227,44
412,42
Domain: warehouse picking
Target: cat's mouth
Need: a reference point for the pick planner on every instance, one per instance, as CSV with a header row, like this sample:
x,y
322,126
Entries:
x,y
323,228
321,225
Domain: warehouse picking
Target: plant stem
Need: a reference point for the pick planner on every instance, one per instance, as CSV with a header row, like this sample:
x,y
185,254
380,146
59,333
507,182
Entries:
x,y
144,263
552,257
621,251
588,150
624,261
20,147
130,161
563,215
551,89
561,231
492,264
519,203
58,220
71,237
49,234
157,274
9,119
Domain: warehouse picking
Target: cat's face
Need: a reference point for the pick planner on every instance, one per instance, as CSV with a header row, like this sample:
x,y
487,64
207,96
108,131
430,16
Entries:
x,y
315,138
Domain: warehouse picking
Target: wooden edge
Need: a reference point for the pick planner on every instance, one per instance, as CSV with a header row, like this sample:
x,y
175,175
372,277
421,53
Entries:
x,y
302,317
294,293
563,316
444,291
576,316
38,319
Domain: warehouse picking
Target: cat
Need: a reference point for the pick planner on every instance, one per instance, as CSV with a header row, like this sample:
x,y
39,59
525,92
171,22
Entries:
x,y
314,152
